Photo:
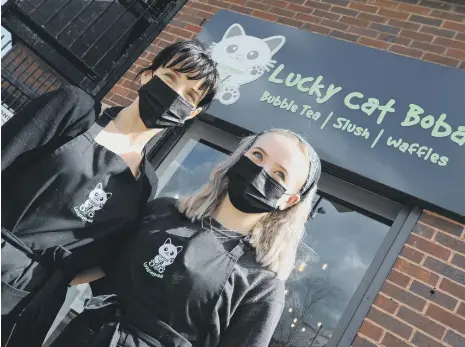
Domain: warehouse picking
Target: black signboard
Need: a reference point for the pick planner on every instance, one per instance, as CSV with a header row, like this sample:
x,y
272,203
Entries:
x,y
392,119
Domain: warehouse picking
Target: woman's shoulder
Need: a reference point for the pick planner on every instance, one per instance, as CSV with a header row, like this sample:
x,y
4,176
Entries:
x,y
263,284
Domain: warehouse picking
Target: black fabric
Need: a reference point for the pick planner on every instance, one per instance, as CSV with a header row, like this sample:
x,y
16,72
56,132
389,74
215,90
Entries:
x,y
160,106
175,285
77,196
251,189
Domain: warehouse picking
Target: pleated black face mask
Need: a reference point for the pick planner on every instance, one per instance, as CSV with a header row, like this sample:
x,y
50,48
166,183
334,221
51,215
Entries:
x,y
161,107
251,189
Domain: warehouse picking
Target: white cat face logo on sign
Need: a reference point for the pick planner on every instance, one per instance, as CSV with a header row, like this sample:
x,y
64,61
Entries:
x,y
242,59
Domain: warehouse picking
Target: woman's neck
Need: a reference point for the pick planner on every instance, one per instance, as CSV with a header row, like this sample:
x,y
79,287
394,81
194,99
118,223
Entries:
x,y
126,133
230,217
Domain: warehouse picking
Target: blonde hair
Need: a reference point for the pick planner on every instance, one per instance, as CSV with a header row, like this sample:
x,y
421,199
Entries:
x,y
277,235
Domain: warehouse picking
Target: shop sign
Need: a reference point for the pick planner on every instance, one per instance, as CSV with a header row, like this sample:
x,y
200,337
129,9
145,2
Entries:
x,y
392,119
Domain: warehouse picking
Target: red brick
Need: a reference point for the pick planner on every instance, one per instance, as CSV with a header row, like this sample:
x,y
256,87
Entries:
x,y
290,22
179,32
420,339
264,15
410,52
363,7
458,260
204,7
307,18
298,8
416,35
363,31
434,58
315,4
359,341
335,25
461,309
390,323
412,254
344,11
343,35
433,294
455,53
281,12
403,296
429,247
120,90
438,32
423,230
385,3
394,39
243,2
452,288
218,3
257,6
421,322
385,303
428,47
240,9
372,17
391,340
416,271
121,101
448,15
398,278
393,14
317,29
413,9
404,24
370,330
328,15
194,28
453,26
450,242
446,317
373,43
450,44
442,223
356,21
275,3
460,37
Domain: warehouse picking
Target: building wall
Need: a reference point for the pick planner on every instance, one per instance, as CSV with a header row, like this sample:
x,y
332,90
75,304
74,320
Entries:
x,y
422,302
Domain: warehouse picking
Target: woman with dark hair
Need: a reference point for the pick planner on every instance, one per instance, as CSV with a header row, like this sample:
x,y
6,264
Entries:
x,y
73,181
209,270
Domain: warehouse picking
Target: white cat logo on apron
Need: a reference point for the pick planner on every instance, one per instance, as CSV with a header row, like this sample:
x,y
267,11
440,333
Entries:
x,y
96,199
166,255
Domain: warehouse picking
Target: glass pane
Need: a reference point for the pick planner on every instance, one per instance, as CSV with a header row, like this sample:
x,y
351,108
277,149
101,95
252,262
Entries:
x,y
334,256
189,170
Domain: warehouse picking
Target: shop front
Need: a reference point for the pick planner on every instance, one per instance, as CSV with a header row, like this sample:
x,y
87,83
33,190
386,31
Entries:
x,y
382,262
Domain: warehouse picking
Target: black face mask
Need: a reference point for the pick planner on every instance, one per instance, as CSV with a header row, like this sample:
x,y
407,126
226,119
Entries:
x,y
251,189
161,107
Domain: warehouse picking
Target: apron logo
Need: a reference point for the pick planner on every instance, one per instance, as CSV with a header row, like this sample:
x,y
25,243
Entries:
x,y
95,201
166,256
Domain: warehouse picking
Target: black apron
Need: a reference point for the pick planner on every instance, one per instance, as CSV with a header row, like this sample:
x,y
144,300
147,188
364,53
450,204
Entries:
x,y
167,285
64,210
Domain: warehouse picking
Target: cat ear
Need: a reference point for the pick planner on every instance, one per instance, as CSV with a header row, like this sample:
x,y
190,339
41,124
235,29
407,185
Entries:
x,y
179,248
109,195
275,43
168,241
99,186
233,31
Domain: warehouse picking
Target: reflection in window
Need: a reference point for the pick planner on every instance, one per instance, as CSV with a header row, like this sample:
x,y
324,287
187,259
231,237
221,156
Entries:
x,y
186,174
332,259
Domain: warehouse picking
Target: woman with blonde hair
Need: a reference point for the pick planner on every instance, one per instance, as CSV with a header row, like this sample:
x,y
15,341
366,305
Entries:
x,y
209,270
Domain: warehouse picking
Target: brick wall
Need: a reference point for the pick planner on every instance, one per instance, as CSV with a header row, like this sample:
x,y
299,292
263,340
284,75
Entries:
x,y
422,303
431,30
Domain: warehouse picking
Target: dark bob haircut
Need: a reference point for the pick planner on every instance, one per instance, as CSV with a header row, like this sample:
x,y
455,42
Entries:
x,y
192,59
